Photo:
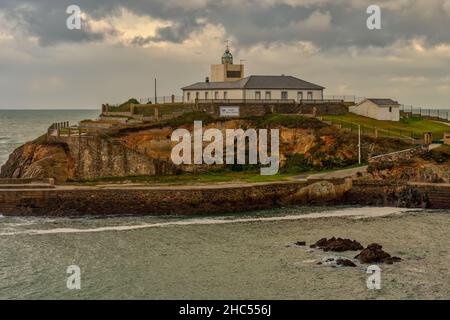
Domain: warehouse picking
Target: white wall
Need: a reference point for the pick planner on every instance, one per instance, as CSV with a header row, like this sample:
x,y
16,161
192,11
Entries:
x,y
231,94
251,94
276,94
372,110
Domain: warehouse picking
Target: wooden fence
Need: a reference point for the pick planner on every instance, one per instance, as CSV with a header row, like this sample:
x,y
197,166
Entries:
x,y
373,131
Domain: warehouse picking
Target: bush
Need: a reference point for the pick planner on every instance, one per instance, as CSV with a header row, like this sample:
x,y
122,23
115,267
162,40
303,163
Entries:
x,y
288,121
439,155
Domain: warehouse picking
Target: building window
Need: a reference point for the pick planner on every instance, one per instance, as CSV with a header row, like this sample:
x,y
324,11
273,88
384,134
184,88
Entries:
x,y
310,95
188,96
206,95
284,95
299,96
216,95
258,95
390,109
268,95
233,74
225,95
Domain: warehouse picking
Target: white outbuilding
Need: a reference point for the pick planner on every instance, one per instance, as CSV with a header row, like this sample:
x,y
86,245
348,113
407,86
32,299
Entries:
x,y
379,109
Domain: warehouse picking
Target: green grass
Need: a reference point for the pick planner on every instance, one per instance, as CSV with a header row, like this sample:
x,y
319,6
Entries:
x,y
188,178
407,126
288,121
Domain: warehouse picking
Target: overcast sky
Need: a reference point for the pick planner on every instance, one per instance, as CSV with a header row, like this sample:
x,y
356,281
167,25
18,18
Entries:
x,y
123,45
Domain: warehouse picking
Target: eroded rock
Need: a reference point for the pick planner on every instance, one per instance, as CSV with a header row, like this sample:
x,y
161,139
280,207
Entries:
x,y
337,245
374,253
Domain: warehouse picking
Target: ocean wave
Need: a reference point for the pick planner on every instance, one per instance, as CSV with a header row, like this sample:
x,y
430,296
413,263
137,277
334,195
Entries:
x,y
353,213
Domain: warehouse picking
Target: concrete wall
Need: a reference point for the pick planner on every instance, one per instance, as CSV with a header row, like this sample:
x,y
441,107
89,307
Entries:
x,y
371,110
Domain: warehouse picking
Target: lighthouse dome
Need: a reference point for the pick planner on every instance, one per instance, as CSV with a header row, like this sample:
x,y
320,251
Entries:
x,y
227,57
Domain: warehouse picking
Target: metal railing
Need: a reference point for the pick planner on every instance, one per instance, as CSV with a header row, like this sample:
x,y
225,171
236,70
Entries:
x,y
441,114
367,130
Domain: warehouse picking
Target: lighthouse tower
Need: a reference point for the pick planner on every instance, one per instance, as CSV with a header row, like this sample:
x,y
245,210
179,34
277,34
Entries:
x,y
227,71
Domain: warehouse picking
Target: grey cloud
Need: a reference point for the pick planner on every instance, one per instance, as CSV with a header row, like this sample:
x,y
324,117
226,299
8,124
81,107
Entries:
x,y
250,22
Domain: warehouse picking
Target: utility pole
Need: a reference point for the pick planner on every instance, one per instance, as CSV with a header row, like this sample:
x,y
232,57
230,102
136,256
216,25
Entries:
x,y
359,143
156,97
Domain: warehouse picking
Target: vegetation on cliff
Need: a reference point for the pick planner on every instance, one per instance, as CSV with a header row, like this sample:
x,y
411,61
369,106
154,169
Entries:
x,y
306,145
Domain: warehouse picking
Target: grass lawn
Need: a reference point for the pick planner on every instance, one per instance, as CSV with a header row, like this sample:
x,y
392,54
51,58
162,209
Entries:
x,y
188,178
406,126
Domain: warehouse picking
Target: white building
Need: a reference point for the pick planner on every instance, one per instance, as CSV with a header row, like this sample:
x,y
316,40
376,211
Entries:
x,y
228,83
379,109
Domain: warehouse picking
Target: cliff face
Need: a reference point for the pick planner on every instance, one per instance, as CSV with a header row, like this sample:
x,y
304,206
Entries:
x,y
39,160
148,151
430,167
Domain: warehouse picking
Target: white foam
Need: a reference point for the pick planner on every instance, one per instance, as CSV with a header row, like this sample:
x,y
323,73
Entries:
x,y
354,213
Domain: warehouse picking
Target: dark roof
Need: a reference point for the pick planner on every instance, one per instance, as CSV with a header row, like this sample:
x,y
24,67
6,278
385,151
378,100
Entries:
x,y
258,82
384,102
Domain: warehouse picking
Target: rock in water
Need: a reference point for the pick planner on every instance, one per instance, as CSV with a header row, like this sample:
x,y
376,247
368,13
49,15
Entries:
x,y
333,261
345,263
337,245
374,253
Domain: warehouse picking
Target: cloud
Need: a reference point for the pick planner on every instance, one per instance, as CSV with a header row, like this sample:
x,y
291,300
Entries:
x,y
326,23
124,45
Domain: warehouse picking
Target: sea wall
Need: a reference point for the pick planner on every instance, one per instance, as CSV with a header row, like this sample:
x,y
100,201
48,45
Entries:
x,y
171,200
217,199
399,194
143,201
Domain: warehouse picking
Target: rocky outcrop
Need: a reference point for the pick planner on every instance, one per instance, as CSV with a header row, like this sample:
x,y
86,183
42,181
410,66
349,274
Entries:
x,y
146,151
374,254
415,166
320,192
40,160
337,245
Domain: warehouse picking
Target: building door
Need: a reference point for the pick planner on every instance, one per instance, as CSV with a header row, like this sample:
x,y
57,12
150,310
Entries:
x,y
268,95
299,96
284,95
258,95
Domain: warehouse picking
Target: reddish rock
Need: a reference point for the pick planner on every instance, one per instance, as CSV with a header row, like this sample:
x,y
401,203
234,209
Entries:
x,y
345,263
337,245
374,253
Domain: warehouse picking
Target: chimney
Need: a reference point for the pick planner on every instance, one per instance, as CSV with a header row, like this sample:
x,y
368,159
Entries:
x,y
207,80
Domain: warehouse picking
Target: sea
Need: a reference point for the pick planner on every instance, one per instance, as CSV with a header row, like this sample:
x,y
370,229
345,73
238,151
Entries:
x,y
243,255
20,126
